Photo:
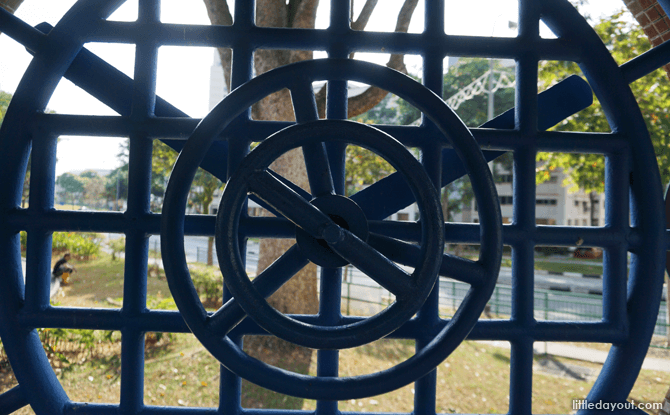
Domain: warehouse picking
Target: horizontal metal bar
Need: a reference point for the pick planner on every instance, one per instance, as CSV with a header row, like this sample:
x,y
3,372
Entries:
x,y
105,319
103,222
12,400
116,126
322,39
646,63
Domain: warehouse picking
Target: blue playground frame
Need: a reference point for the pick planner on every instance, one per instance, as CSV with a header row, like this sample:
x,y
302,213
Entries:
x,y
634,222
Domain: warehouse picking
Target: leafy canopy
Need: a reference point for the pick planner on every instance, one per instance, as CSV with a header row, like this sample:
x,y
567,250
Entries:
x,y
625,40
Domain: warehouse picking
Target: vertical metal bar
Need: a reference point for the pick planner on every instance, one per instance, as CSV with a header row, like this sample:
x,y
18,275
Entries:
x,y
526,70
139,190
39,248
521,370
230,385
330,301
425,388
329,314
524,211
521,377
453,295
38,270
523,253
615,258
340,12
348,298
434,18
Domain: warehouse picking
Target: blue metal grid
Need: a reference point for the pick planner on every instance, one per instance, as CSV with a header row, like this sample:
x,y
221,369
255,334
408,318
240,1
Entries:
x,y
629,306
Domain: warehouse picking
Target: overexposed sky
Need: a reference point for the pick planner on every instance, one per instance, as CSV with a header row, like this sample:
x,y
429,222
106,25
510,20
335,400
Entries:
x,y
183,73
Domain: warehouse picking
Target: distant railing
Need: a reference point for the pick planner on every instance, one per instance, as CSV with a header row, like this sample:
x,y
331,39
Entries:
x,y
365,299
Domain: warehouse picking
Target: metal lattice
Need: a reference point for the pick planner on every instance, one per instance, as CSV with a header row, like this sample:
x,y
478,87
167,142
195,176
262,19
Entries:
x,y
220,144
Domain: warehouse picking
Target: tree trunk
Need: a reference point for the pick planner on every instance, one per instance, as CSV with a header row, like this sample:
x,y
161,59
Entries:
x,y
10,5
210,251
299,295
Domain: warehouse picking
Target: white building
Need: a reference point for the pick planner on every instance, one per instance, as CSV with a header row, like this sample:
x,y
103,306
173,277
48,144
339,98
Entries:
x,y
554,204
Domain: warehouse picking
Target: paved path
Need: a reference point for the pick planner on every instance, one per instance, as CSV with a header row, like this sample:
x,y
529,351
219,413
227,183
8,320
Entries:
x,y
55,282
585,354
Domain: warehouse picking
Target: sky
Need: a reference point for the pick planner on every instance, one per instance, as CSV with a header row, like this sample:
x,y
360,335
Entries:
x,y
183,73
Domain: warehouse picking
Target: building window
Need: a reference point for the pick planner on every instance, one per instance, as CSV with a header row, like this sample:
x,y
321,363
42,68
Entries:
x,y
549,202
403,216
576,203
552,179
505,178
585,206
569,222
594,222
584,222
506,200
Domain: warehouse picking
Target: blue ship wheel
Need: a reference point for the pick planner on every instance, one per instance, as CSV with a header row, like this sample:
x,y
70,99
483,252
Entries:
x,y
629,307
313,217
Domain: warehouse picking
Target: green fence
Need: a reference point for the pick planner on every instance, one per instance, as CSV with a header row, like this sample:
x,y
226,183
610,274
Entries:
x,y
364,297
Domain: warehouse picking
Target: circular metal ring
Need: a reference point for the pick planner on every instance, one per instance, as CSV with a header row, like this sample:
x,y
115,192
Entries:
x,y
208,329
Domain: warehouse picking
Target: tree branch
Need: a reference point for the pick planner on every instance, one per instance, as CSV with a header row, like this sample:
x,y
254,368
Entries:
x,y
364,15
219,14
373,95
10,5
302,14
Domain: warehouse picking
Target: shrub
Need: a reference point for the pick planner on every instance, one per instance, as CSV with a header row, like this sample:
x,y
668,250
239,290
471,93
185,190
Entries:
x,y
81,245
24,240
209,285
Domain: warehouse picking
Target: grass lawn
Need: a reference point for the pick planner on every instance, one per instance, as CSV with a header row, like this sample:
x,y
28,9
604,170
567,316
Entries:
x,y
573,266
97,280
179,372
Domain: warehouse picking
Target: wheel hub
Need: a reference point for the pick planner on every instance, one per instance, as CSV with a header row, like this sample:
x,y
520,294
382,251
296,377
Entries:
x,y
346,214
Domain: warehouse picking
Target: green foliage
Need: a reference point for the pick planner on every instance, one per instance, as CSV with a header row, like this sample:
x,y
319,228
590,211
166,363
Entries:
x,y
84,246
158,303
208,283
23,235
117,246
5,98
625,40
392,111
162,161
474,112
202,191
364,167
70,183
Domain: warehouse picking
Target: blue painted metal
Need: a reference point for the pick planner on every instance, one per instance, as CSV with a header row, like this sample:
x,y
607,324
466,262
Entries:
x,y
629,309
347,332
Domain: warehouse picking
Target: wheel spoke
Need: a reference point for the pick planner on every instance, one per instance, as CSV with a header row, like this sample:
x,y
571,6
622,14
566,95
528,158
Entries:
x,y
460,269
269,281
304,103
373,264
288,203
316,158
318,169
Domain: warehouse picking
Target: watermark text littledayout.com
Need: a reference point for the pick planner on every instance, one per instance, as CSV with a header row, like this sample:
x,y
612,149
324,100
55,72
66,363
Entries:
x,y
615,406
